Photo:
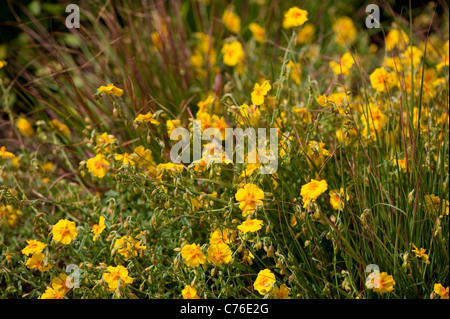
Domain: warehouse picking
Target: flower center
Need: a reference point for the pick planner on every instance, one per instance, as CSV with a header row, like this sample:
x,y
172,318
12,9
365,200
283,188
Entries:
x,y
313,187
218,255
193,253
250,198
64,232
381,79
115,276
296,15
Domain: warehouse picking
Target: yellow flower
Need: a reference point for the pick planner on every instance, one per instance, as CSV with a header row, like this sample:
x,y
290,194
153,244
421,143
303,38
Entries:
x,y
33,247
393,63
396,39
146,118
104,143
97,166
294,17
193,255
250,113
382,80
248,197
345,31
199,165
3,63
312,190
60,127
219,254
25,127
231,21
64,231
264,282
105,139
51,293
316,153
375,121
209,156
401,163
48,167
189,293
110,89
233,53
420,253
336,199
142,155
37,261
4,154
170,168
335,100
322,100
97,229
441,291
219,123
384,283
222,236
125,158
128,247
281,293
117,276
259,92
156,39
203,106
15,162
250,225
59,283
249,169
258,32
306,34
206,120
434,204
172,124
375,117
344,65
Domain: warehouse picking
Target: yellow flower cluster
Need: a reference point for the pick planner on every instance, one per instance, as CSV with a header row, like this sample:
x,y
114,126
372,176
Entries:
x,y
217,254
9,215
362,142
